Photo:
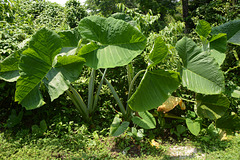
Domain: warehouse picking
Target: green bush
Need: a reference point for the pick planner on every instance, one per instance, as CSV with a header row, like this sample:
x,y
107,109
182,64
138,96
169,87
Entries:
x,y
216,11
74,12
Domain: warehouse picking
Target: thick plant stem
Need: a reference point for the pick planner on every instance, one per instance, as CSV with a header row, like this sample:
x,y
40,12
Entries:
x,y
166,115
78,47
78,102
130,73
75,102
128,110
116,97
132,83
98,91
205,44
91,90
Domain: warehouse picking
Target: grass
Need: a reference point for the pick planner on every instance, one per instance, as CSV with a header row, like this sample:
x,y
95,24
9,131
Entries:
x,y
82,144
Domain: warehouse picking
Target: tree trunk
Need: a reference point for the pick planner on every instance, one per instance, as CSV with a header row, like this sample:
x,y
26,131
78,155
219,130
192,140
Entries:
x,y
185,15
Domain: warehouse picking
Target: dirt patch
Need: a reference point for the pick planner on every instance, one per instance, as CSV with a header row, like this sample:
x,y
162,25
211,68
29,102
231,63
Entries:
x,y
184,152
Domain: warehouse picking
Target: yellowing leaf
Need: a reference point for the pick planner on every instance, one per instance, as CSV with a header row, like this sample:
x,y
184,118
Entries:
x,y
182,105
154,143
169,104
223,135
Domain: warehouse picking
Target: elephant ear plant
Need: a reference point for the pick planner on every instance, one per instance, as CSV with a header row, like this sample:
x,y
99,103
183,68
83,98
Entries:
x,y
155,88
200,72
112,43
41,64
214,107
56,60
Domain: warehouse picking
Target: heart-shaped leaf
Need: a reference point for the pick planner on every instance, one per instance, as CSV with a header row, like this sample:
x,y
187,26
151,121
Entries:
x,y
38,64
194,126
70,40
154,90
117,127
119,42
218,47
203,28
158,52
200,72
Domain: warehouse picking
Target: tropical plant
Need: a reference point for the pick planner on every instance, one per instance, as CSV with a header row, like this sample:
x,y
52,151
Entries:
x,y
58,60
200,72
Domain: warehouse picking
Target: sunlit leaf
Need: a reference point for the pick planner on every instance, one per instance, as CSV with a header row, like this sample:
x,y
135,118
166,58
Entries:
x,y
119,42
9,68
194,126
203,28
219,42
218,47
154,90
200,72
38,64
218,56
158,52
126,18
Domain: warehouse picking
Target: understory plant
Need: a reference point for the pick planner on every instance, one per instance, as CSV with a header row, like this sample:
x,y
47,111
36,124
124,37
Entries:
x,y
55,60
58,59
199,72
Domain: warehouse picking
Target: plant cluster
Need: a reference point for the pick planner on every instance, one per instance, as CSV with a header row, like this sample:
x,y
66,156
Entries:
x,y
62,56
165,84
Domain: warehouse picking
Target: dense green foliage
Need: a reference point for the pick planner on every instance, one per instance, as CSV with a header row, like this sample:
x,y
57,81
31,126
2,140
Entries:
x,y
74,13
117,71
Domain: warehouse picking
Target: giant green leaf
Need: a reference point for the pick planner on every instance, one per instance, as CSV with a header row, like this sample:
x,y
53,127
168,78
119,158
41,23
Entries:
x,y
125,17
203,28
218,47
218,56
9,68
219,42
38,64
145,120
232,29
66,70
118,42
154,89
200,72
212,106
159,51
70,40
